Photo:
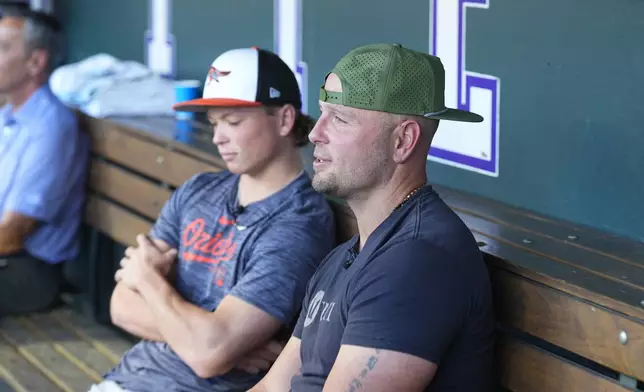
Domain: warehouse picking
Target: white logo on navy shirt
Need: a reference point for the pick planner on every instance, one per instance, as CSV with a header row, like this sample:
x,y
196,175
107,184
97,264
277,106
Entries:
x,y
314,307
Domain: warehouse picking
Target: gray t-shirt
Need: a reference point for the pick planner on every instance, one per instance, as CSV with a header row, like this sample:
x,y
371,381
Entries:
x,y
263,253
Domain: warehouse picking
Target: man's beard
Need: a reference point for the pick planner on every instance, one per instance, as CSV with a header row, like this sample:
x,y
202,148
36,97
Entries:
x,y
327,185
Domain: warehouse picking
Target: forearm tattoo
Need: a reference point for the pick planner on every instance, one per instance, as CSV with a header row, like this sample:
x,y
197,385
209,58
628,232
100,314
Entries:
x,y
356,383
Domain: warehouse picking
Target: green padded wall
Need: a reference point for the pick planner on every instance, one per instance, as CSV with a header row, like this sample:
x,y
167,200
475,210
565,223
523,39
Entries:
x,y
94,26
202,28
205,28
571,83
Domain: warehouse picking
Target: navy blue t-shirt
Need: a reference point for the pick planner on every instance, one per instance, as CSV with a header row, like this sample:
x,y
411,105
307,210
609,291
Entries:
x,y
419,286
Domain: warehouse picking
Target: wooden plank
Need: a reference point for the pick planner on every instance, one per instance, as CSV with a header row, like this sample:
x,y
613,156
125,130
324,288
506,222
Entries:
x,y
581,259
95,364
616,247
526,368
193,135
168,132
41,335
144,156
56,367
580,283
133,191
105,340
19,373
4,386
563,320
114,221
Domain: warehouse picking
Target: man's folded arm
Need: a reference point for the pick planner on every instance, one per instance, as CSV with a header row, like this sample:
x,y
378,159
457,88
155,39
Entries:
x,y
289,362
210,343
266,298
129,311
287,365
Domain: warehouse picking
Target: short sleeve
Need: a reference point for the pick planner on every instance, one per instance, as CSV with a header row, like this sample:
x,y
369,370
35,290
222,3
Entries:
x,y
167,227
42,184
281,264
410,299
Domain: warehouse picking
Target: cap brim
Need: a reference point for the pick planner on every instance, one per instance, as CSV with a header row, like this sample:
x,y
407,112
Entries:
x,y
201,104
457,115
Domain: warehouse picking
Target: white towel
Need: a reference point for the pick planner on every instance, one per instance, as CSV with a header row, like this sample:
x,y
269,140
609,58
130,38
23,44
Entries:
x,y
151,96
102,86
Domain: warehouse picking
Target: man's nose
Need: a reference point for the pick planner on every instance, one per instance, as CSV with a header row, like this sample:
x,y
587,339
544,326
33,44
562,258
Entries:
x,y
318,133
219,137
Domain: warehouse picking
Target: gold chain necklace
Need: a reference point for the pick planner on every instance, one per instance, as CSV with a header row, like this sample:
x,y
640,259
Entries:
x,y
356,246
407,198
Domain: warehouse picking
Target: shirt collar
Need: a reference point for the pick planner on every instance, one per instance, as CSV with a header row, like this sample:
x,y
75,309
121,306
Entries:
x,y
5,115
29,109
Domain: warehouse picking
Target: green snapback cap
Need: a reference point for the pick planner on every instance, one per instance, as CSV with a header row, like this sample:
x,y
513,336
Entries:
x,y
393,79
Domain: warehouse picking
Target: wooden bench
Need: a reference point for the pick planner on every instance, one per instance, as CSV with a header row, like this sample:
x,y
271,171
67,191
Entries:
x,y
569,300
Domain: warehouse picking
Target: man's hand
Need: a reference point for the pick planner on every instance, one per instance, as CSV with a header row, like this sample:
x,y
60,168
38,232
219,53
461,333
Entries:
x,y
14,230
162,263
262,358
142,261
128,310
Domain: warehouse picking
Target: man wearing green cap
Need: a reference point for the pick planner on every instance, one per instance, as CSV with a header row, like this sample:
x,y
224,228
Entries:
x,y
406,304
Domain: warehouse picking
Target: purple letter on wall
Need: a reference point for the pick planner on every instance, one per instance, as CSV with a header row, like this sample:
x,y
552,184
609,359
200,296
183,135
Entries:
x,y
471,146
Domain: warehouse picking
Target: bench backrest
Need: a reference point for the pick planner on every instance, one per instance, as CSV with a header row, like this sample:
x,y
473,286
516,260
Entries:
x,y
132,176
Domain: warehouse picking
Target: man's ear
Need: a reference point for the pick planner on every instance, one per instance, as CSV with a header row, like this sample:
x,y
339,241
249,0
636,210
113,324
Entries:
x,y
406,137
286,119
37,63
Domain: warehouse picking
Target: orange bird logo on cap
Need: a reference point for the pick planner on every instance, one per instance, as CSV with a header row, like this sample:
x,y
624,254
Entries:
x,y
215,74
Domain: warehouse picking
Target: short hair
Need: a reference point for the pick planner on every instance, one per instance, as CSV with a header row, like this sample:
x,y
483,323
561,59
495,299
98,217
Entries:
x,y
428,126
41,31
302,126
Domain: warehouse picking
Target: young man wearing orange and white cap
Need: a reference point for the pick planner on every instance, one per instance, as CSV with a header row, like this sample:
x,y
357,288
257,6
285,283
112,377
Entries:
x,y
225,267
